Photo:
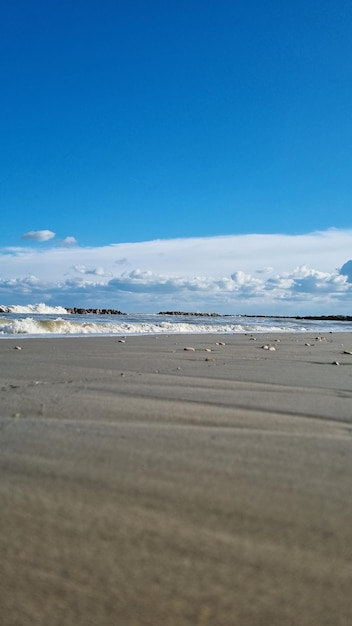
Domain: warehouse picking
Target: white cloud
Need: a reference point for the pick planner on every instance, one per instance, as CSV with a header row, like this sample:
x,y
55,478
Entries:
x,y
346,270
267,274
95,271
38,235
68,241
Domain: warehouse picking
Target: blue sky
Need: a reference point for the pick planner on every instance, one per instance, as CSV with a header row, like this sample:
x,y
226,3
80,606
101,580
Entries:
x,y
153,121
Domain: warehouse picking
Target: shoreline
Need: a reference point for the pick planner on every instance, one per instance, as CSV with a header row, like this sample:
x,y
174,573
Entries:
x,y
181,480
167,333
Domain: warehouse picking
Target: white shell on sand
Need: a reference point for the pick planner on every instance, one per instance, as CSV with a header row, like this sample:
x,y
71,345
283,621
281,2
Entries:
x,y
269,347
17,348
190,349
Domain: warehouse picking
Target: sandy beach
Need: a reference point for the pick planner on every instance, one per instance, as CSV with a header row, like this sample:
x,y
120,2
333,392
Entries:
x,y
145,484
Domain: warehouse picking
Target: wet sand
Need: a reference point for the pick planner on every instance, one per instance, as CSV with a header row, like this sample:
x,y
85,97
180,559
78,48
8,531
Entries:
x,y
143,484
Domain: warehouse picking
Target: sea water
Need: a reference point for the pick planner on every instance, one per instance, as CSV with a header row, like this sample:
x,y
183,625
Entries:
x,y
43,321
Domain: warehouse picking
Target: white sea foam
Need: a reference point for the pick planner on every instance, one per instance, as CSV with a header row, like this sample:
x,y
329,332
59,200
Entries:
x,y
61,326
34,309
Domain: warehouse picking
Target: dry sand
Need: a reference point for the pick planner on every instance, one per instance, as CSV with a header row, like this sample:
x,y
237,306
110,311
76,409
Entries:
x,y
147,485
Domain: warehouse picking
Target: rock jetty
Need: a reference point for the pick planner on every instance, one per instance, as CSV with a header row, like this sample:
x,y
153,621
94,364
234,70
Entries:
x,y
189,313
332,318
322,318
79,311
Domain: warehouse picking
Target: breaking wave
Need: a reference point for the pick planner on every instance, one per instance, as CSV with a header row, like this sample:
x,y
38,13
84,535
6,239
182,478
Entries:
x,y
61,326
33,309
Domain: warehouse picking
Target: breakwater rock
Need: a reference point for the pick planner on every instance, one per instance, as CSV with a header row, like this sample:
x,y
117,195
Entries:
x,y
79,311
189,313
321,318
332,318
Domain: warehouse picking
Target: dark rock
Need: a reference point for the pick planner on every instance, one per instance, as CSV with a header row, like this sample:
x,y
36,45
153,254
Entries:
x,y
188,313
80,311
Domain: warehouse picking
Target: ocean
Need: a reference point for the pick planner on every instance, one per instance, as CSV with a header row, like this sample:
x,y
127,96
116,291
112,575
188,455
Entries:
x,y
40,320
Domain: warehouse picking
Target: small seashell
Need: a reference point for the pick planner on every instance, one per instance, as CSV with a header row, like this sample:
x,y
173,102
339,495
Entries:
x,y
121,341
307,344
335,363
207,350
253,338
207,358
17,348
190,349
347,352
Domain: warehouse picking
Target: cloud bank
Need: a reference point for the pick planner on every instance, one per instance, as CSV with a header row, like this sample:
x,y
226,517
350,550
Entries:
x,y
253,274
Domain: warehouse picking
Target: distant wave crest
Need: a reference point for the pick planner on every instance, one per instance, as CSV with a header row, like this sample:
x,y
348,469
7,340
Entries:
x,y
33,309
